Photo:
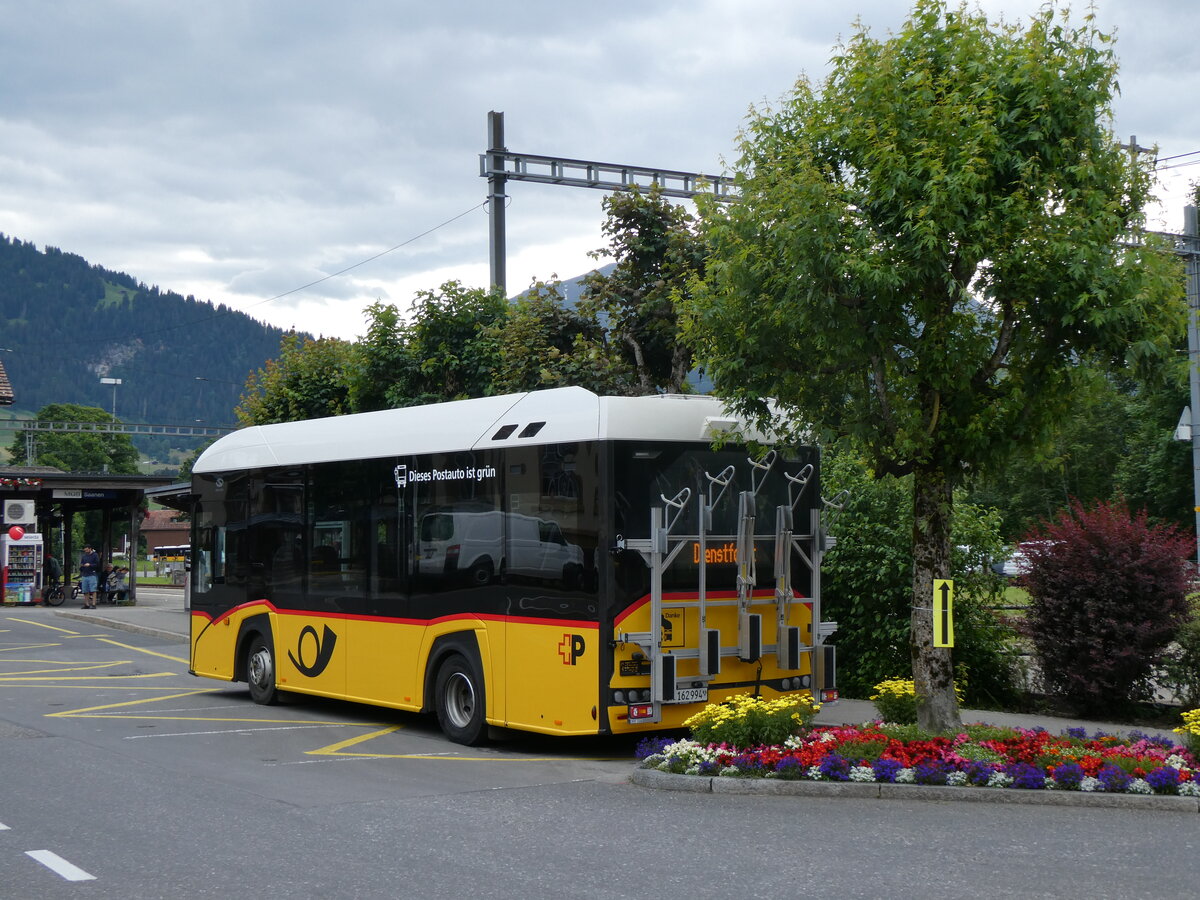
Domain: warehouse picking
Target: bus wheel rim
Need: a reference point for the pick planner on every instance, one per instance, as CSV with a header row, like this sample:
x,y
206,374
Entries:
x,y
260,668
460,699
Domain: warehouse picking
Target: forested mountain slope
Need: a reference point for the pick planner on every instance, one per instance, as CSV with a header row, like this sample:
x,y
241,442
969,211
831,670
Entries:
x,y
65,323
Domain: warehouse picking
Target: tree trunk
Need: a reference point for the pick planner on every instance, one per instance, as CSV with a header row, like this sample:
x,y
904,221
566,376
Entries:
x,y
933,668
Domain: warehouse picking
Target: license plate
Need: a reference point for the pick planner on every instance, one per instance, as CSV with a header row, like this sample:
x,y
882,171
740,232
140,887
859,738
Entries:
x,y
690,695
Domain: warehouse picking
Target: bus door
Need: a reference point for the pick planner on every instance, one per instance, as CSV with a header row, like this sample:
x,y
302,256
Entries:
x,y
553,647
314,638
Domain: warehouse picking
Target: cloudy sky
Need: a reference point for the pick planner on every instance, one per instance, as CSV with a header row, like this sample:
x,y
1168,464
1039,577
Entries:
x,y
239,150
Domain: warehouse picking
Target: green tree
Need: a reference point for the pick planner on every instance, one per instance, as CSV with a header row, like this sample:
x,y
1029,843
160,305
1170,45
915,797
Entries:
x,y
922,252
451,343
544,343
309,380
659,255
1116,441
383,362
78,451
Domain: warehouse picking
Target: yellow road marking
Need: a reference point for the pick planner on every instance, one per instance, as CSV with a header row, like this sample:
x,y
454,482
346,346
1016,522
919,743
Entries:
x,y
43,625
88,709
339,748
108,678
80,668
335,749
28,647
142,650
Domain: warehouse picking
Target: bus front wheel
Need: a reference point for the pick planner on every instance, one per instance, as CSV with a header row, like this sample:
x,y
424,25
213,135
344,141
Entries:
x,y
459,700
260,672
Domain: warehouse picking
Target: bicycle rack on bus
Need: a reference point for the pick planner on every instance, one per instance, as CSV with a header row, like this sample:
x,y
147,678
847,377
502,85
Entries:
x,y
661,549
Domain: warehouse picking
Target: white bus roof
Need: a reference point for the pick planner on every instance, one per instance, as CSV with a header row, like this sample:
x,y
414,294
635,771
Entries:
x,y
560,415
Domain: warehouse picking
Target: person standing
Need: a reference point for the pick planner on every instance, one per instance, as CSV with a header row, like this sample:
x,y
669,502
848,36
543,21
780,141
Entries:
x,y
89,575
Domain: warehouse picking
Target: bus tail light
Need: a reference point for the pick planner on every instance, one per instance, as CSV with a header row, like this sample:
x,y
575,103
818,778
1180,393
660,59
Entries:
x,y
641,711
829,695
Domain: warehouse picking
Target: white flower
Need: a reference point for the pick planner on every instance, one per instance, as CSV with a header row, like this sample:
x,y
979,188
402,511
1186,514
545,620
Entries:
x,y
1176,761
692,770
1051,784
862,773
1189,789
814,772
1139,786
956,779
730,770
827,737
1090,784
654,761
999,779
906,776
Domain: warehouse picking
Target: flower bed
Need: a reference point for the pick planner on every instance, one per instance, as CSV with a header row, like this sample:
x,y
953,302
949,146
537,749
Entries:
x,y
982,756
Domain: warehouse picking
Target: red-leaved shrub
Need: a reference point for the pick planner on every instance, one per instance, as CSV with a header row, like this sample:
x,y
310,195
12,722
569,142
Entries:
x,y
1107,594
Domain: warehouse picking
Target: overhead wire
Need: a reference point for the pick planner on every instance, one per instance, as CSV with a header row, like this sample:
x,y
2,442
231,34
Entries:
x,y
217,314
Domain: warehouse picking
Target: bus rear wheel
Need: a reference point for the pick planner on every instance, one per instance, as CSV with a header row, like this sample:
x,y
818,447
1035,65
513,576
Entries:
x,y
260,672
459,700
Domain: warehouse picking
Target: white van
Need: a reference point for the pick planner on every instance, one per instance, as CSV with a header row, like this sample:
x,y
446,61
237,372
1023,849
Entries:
x,y
453,542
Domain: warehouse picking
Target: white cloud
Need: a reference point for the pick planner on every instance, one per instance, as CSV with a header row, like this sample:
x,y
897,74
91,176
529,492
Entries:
x,y
237,151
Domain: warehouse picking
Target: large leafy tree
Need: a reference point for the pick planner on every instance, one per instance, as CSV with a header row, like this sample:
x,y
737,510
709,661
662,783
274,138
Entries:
x,y
923,250
78,451
547,342
445,349
308,380
451,344
658,254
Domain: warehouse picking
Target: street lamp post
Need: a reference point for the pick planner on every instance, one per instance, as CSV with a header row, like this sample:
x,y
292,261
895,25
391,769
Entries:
x,y
114,382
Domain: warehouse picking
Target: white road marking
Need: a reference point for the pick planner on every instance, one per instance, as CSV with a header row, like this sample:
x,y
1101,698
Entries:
x,y
60,866
3,827
136,737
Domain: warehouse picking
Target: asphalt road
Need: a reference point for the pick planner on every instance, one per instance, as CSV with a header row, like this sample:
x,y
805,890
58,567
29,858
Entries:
x,y
120,770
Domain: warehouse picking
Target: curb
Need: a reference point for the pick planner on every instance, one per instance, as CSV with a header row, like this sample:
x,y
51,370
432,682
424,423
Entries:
x,y
122,625
667,781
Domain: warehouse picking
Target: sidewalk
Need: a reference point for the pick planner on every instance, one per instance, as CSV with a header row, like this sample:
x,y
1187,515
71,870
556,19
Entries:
x,y
159,613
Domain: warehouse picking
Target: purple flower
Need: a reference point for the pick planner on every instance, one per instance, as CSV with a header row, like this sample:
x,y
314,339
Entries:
x,y
835,767
749,763
1068,776
886,769
1026,776
979,773
931,771
651,746
1164,780
1079,734
1114,778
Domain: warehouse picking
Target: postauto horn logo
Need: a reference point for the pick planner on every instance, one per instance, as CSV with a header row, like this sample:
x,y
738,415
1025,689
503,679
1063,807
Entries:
x,y
324,651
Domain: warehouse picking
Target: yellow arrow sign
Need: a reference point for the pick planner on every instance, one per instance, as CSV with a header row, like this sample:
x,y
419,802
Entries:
x,y
943,612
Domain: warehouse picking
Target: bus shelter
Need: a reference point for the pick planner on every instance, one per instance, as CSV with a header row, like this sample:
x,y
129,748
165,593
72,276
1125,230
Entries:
x,y
47,500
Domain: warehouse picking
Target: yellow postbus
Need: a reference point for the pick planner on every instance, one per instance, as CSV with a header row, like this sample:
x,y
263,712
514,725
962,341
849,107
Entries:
x,y
556,562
